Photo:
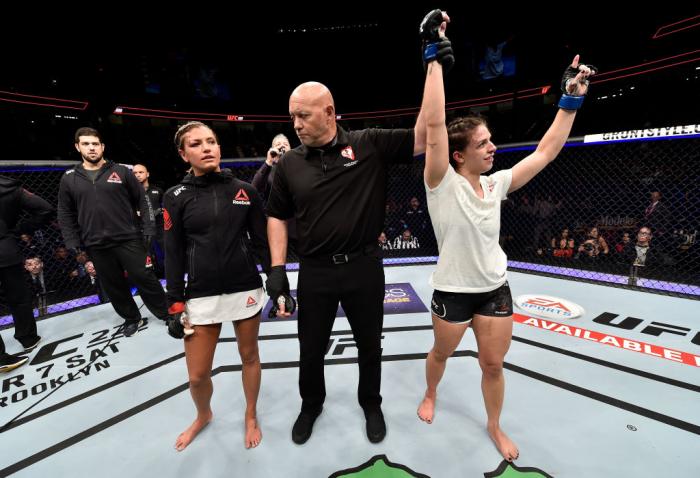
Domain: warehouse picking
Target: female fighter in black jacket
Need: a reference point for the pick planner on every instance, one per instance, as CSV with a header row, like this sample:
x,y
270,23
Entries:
x,y
213,224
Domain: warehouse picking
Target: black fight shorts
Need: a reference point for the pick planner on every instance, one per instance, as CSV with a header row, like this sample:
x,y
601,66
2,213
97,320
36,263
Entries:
x,y
459,308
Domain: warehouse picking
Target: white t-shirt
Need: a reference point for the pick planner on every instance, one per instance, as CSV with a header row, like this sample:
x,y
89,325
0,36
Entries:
x,y
467,230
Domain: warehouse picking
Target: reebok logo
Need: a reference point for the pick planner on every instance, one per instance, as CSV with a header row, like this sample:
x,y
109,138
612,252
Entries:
x,y
347,152
114,178
251,302
241,198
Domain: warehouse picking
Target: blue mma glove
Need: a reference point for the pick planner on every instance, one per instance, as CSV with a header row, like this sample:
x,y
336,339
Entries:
x,y
568,101
434,47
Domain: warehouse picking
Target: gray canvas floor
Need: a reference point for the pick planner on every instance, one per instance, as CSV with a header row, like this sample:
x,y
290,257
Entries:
x,y
575,407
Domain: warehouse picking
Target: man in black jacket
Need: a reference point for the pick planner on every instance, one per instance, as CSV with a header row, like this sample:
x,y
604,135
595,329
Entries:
x,y
97,204
13,202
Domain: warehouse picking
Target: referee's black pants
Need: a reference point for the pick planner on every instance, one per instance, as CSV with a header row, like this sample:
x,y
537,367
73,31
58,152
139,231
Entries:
x,y
130,256
359,287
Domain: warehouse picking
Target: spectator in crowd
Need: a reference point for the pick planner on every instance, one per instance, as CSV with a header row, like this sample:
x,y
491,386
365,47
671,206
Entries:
x,y
416,219
642,254
563,245
262,181
384,242
81,258
406,241
593,247
563,235
624,244
28,245
42,283
393,225
63,268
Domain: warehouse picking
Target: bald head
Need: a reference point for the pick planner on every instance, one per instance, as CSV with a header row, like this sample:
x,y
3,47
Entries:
x,y
141,174
313,92
312,109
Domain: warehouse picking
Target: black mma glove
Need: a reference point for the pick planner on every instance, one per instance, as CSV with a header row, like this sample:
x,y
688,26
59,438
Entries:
x,y
277,287
434,47
569,101
175,328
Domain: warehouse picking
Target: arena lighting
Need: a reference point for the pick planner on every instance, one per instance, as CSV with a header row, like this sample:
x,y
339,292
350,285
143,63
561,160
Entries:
x,y
677,27
199,116
409,111
603,77
330,28
11,97
412,111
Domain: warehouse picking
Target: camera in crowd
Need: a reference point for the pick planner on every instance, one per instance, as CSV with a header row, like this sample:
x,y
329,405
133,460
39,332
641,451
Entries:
x,y
277,152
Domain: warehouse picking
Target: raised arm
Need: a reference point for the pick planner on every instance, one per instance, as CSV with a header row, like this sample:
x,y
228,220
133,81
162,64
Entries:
x,y
575,87
436,49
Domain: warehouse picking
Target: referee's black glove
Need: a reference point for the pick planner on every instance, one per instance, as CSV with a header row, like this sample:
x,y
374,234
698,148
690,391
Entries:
x,y
277,286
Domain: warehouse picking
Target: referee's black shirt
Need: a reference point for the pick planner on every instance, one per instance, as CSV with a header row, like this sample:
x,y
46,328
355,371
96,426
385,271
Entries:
x,y
338,193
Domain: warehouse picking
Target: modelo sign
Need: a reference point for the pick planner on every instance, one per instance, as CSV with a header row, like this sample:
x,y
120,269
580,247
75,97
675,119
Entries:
x,y
548,307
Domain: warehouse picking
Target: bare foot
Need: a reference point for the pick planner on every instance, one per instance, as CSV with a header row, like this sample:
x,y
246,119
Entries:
x,y
426,410
253,435
504,444
188,435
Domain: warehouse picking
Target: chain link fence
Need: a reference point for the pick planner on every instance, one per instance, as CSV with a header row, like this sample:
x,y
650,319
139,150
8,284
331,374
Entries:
x,y
625,214
621,213
58,280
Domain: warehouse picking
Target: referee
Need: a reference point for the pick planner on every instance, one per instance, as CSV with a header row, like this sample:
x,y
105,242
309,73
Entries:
x,y
334,186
